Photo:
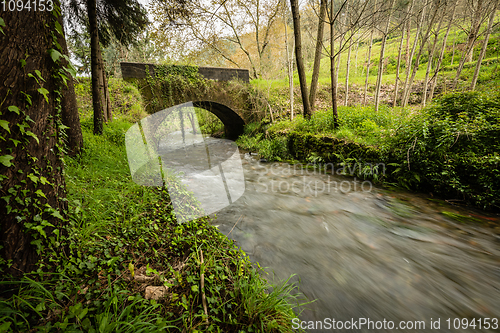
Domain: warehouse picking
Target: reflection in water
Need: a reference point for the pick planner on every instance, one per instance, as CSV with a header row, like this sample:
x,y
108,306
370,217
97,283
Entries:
x,y
365,252
169,144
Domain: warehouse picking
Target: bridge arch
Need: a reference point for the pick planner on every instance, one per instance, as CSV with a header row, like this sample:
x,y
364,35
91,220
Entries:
x,y
233,124
220,106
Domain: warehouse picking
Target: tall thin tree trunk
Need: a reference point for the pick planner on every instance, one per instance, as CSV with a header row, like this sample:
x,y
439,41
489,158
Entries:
x,y
317,53
69,109
431,57
453,51
398,66
348,64
356,57
441,54
469,48
369,53
298,57
289,60
107,99
95,68
485,45
407,86
475,26
333,77
381,61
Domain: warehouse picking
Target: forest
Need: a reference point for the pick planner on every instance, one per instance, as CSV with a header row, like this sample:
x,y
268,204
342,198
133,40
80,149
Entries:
x,y
402,95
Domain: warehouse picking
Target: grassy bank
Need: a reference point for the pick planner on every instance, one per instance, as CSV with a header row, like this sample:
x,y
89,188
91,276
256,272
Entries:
x,y
450,148
123,246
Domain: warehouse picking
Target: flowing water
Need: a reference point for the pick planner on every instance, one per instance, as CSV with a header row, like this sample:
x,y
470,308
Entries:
x,y
361,251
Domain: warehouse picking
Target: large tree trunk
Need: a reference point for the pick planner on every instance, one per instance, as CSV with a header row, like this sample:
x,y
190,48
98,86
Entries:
x,y
298,57
381,61
31,178
317,53
441,54
485,45
69,108
96,69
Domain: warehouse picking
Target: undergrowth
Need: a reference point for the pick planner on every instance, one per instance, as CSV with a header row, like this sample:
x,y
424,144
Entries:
x,y
123,240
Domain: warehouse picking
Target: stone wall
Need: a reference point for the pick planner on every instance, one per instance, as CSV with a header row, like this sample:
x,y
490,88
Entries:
x,y
138,71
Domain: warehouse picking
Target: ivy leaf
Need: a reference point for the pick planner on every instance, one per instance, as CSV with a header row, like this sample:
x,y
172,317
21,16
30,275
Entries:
x,y
44,92
33,178
13,108
30,133
59,28
5,125
58,215
40,193
16,142
5,160
2,24
39,75
54,54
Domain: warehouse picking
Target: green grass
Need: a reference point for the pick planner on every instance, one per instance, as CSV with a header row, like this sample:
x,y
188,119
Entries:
x,y
119,231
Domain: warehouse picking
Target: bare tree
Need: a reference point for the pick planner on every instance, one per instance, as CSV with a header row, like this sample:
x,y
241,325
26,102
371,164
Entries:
x,y
298,58
431,56
370,50
409,78
478,16
485,45
382,54
317,52
434,79
404,27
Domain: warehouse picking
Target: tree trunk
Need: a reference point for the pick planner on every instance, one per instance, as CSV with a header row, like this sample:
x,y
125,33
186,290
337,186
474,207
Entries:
x,y
469,48
441,54
431,57
474,33
317,53
381,61
398,67
96,71
69,108
485,45
31,179
369,53
298,57
289,61
333,77
407,86
347,72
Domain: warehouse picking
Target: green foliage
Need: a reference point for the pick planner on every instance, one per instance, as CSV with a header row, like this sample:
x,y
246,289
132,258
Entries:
x,y
126,100
452,149
209,123
119,230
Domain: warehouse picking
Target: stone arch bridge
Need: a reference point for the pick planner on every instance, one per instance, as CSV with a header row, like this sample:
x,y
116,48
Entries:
x,y
216,100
